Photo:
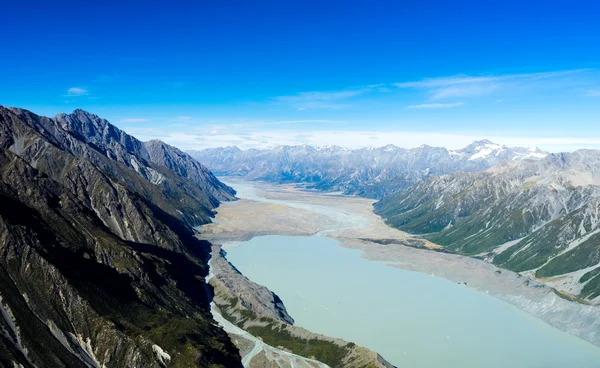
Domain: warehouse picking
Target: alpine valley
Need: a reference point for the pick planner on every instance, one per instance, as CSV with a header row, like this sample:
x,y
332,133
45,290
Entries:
x,y
114,251
100,265
523,209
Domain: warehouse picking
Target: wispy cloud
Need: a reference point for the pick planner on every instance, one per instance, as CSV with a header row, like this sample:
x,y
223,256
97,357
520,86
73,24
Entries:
x,y
472,86
300,121
593,93
184,117
326,99
206,137
435,105
77,91
134,120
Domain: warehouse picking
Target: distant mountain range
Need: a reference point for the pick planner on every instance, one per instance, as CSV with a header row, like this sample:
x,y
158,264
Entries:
x,y
369,172
541,217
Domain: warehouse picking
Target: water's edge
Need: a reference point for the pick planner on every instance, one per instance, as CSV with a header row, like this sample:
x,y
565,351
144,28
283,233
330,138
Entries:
x,y
549,337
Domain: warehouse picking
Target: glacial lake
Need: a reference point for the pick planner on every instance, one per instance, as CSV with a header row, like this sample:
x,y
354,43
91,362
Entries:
x,y
411,319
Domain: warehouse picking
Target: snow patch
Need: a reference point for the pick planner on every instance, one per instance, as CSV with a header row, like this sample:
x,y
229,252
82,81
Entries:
x,y
487,150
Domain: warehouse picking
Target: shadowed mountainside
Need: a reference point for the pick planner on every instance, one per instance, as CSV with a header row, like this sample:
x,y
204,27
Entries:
x,y
99,265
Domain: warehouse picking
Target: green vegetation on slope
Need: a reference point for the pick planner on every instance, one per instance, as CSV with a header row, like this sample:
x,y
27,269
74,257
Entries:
x,y
276,334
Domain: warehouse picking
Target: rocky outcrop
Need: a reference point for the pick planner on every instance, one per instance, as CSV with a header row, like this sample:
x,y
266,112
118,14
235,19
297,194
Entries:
x,y
184,165
99,265
252,296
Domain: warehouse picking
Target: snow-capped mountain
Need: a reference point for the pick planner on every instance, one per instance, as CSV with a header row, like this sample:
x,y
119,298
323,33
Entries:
x,y
486,150
370,172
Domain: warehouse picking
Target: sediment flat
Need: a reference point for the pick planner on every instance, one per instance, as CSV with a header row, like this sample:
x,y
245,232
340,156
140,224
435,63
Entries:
x,y
268,209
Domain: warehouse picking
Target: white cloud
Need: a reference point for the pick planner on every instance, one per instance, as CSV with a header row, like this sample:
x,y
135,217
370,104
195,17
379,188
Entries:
x,y
465,79
246,137
435,105
134,120
472,86
185,117
445,81
321,96
77,91
467,90
301,121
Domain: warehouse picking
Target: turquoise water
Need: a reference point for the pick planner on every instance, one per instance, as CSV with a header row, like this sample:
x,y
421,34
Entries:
x,y
411,319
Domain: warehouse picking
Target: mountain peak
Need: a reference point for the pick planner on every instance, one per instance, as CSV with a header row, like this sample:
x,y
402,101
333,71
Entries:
x,y
100,131
80,114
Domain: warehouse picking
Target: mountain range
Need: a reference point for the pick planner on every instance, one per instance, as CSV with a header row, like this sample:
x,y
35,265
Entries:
x,y
539,217
368,172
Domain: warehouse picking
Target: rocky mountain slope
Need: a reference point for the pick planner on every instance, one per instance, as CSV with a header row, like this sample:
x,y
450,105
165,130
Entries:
x,y
183,164
369,172
133,153
99,265
540,217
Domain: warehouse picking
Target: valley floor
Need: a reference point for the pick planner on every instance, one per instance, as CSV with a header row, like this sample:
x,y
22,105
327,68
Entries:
x,y
266,209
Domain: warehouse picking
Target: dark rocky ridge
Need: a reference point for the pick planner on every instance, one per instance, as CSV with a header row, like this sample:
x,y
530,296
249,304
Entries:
x,y
98,260
130,151
252,296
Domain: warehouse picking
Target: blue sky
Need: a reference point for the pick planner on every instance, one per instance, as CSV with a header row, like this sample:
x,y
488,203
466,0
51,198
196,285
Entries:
x,y
353,73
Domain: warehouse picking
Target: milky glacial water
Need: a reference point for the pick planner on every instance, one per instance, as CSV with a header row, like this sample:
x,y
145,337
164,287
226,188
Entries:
x,y
411,319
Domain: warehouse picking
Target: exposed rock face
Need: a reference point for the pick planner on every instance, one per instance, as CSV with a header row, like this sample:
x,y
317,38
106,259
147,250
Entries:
x,y
254,297
184,165
131,152
540,216
99,265
100,132
369,172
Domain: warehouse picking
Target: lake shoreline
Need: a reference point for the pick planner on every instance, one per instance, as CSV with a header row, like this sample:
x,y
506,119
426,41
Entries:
x,y
332,290
267,209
